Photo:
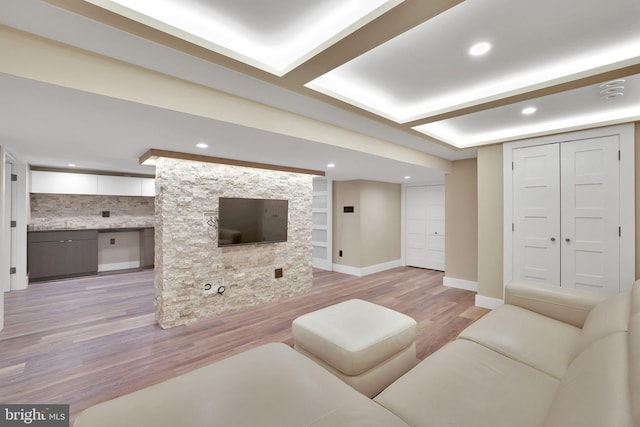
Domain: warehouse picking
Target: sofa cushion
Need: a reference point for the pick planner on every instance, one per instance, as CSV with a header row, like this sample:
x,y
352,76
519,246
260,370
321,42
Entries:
x,y
466,384
635,298
611,315
567,305
634,366
272,385
595,390
531,338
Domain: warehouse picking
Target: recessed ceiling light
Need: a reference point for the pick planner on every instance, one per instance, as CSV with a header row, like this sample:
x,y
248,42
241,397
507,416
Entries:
x,y
72,165
201,145
529,110
407,177
479,49
331,165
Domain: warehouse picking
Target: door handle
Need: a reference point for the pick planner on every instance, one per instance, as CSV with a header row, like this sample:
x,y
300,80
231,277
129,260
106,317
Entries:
x,y
553,239
568,240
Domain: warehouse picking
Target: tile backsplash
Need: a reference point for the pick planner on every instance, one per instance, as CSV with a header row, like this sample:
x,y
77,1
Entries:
x,y
71,211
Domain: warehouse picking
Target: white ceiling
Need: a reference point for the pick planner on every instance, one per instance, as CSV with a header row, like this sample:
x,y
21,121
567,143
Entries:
x,y
420,89
428,71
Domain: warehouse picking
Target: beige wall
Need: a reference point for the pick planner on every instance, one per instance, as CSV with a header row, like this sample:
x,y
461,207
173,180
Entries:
x,y
637,183
346,226
461,210
370,235
380,222
490,222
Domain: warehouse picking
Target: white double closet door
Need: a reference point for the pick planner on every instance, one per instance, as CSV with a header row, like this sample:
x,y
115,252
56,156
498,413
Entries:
x,y
425,232
566,212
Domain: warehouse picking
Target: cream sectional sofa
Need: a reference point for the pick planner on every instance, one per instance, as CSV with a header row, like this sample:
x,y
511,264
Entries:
x,y
549,357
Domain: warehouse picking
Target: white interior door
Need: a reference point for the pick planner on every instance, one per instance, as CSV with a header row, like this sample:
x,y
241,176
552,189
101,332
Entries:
x,y
416,227
8,216
425,232
590,215
435,227
566,213
536,201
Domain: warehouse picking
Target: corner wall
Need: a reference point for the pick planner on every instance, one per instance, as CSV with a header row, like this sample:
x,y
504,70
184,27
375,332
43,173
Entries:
x,y
490,222
187,252
461,223
370,237
637,192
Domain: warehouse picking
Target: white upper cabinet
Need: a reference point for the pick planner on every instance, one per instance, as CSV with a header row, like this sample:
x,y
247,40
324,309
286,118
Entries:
x,y
82,183
148,187
119,186
63,183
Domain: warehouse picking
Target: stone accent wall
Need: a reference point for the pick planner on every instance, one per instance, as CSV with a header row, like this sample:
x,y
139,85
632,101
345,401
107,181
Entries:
x,y
187,252
71,211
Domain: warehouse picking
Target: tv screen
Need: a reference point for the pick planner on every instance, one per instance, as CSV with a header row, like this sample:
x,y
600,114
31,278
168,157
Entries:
x,y
249,221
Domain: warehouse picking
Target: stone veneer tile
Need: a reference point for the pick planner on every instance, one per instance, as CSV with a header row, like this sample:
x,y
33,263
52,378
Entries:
x,y
74,211
187,252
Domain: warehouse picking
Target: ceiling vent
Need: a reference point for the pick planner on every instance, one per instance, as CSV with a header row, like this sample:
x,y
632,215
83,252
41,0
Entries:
x,y
613,89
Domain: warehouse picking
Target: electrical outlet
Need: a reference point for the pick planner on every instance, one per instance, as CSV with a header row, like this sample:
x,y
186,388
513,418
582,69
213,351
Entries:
x,y
207,289
213,286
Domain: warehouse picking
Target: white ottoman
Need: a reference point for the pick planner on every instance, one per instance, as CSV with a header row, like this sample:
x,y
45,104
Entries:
x,y
364,344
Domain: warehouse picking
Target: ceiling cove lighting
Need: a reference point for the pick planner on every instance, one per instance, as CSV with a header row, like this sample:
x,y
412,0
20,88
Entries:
x,y
277,47
202,145
480,49
529,110
447,133
348,88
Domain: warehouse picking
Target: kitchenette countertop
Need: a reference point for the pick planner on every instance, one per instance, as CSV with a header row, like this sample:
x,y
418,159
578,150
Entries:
x,y
136,227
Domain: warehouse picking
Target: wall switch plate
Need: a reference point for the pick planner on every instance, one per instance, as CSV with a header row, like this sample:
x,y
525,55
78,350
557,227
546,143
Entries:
x,y
278,273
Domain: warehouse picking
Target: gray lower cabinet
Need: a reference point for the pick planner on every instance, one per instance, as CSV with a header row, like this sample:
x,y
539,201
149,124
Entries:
x,y
147,248
53,254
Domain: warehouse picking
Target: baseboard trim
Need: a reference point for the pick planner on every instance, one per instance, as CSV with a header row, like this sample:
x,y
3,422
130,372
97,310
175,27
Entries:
x,y
365,271
488,302
118,266
467,285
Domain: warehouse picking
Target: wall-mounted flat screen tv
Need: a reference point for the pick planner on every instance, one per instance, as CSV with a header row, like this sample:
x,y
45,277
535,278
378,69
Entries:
x,y
251,221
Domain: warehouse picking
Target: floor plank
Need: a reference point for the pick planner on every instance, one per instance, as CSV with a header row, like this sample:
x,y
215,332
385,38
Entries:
x,y
86,340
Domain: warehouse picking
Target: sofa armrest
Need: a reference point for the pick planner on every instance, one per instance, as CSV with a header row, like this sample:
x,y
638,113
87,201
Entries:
x,y
567,305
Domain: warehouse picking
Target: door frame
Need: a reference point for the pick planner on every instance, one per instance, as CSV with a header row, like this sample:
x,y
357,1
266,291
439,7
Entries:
x,y
627,194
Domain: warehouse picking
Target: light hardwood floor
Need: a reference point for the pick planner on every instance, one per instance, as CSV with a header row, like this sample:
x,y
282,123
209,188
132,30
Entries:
x,y
86,340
